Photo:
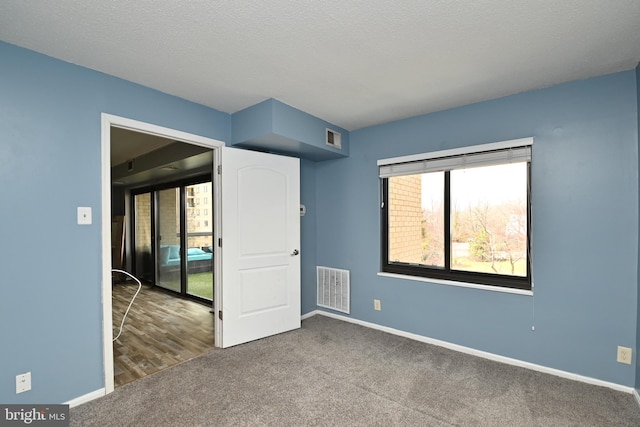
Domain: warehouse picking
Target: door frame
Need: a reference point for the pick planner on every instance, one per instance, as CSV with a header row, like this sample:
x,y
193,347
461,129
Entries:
x,y
107,121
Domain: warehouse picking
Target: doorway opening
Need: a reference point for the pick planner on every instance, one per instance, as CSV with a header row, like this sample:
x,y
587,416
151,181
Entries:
x,y
261,262
171,319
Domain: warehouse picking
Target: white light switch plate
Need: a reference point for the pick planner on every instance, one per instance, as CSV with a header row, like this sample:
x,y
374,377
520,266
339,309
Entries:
x,y
23,382
84,215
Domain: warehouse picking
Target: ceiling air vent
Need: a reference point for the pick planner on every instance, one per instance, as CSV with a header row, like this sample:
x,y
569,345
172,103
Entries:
x,y
334,139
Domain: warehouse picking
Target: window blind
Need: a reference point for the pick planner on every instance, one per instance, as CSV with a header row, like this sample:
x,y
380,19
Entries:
x,y
460,161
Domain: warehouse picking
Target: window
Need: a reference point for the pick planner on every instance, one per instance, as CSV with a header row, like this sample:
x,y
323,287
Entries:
x,y
460,215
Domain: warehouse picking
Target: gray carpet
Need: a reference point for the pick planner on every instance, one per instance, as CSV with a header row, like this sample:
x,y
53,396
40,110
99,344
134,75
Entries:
x,y
334,373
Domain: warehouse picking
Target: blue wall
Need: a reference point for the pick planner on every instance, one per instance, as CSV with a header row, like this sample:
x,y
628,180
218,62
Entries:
x,y
585,222
585,228
308,236
50,310
637,349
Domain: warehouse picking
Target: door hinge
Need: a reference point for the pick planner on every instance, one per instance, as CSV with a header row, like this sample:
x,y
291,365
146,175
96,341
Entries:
x,y
220,242
219,169
220,315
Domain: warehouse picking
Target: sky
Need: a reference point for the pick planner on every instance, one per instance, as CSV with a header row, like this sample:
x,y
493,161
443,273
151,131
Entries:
x,y
494,184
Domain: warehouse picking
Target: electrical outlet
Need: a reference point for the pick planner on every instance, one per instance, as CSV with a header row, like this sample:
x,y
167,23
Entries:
x,y
23,382
376,305
624,355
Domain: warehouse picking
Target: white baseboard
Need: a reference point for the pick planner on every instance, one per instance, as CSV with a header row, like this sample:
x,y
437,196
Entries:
x,y
479,353
637,396
310,314
86,398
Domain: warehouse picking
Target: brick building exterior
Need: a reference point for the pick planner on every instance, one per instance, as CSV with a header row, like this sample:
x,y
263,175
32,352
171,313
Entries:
x,y
405,219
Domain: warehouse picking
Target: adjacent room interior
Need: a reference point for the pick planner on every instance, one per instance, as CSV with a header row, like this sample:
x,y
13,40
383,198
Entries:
x,y
162,201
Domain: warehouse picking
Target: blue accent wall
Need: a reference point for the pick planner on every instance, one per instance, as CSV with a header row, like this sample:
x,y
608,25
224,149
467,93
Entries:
x,y
584,225
308,236
637,348
50,309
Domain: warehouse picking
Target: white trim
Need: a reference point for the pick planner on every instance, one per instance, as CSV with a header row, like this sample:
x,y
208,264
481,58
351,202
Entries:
x,y
107,121
86,398
107,309
460,284
142,127
458,151
479,353
308,315
217,234
636,395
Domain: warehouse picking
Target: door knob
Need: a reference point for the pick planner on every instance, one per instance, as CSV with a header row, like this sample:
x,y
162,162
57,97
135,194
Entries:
x,y
295,252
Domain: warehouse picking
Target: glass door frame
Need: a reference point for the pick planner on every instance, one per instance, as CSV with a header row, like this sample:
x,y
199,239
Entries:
x,y
165,274
135,257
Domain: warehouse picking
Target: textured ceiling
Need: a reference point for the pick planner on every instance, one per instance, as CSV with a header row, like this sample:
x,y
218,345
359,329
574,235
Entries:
x,y
352,63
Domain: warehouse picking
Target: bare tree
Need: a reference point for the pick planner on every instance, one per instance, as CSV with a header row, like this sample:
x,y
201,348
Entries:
x,y
495,233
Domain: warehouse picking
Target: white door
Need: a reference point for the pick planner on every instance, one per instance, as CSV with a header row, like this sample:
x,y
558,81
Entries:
x,y
260,245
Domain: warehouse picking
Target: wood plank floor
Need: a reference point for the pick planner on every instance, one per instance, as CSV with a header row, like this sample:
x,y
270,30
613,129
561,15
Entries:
x,y
161,330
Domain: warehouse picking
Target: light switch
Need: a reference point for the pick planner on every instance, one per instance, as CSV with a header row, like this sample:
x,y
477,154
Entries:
x,y
23,382
84,215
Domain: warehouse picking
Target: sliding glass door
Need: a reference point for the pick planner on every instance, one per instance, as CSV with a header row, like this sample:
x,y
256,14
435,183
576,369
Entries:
x,y
199,218
142,229
173,235
169,257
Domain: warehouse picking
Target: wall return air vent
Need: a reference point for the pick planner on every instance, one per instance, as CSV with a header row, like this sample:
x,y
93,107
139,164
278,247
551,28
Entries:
x,y
333,289
334,139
